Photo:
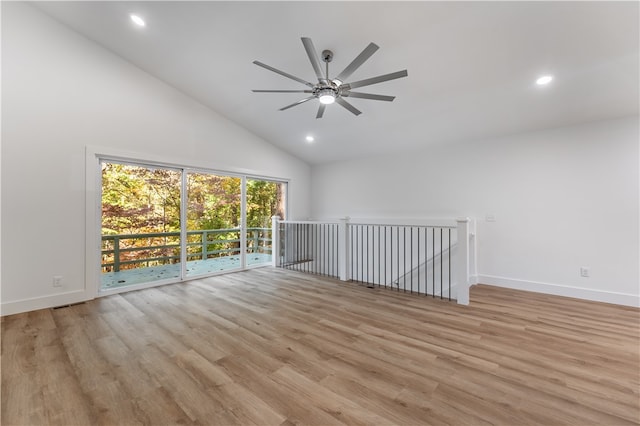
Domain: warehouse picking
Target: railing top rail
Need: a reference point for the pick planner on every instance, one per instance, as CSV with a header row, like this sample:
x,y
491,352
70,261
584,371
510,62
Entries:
x,y
177,233
146,235
428,223
404,225
405,221
311,222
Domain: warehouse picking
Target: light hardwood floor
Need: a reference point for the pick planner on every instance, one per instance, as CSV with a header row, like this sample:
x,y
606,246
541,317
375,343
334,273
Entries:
x,y
272,347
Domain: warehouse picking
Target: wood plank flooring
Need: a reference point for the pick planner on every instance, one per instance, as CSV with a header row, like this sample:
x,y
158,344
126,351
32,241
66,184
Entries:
x,y
276,347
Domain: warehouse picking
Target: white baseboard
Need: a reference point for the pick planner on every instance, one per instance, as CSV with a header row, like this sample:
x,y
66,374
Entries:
x,y
33,304
562,290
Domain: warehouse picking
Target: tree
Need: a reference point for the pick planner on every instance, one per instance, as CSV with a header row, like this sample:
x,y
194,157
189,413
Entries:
x,y
145,200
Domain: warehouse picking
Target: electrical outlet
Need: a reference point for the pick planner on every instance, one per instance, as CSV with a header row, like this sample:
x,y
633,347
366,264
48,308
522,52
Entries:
x,y
584,271
57,280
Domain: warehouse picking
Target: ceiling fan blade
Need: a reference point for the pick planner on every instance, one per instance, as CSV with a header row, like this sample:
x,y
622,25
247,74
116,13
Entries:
x,y
368,96
348,106
301,101
313,57
320,111
277,71
359,60
282,91
378,79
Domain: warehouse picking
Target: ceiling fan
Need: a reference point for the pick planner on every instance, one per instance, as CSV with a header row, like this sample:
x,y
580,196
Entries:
x,y
330,90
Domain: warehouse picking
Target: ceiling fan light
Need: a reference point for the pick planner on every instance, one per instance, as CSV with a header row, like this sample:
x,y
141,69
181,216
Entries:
x,y
326,96
327,99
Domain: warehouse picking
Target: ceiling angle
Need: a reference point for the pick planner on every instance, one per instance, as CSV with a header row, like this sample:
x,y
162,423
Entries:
x,y
336,89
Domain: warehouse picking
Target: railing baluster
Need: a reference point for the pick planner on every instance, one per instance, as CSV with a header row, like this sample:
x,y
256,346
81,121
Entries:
x,y
419,259
391,257
323,247
379,260
411,260
449,262
407,251
362,253
336,246
309,248
337,251
385,257
441,269
368,262
326,247
433,261
398,258
352,230
330,249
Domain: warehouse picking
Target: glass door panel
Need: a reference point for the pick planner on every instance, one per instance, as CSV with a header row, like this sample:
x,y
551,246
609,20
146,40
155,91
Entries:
x,y
213,223
264,200
140,224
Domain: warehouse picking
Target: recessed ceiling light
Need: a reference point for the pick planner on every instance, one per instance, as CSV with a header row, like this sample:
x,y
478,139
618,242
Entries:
x,y
137,20
545,79
309,138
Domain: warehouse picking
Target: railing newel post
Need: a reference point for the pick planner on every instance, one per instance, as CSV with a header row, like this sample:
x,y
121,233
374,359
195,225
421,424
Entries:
x,y
462,261
205,245
116,253
255,240
344,245
275,241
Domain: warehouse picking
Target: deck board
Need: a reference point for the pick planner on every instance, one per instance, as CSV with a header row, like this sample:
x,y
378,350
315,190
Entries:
x,y
127,277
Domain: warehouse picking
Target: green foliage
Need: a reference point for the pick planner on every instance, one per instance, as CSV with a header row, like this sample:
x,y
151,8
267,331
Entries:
x,y
213,202
139,200
262,203
142,200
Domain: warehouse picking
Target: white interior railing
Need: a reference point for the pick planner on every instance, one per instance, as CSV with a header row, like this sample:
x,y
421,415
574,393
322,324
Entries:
x,y
431,259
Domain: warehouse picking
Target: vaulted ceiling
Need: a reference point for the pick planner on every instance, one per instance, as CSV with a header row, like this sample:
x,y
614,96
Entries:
x,y
472,65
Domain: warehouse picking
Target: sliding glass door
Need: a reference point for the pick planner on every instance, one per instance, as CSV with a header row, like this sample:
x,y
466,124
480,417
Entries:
x,y
140,224
168,224
265,199
213,223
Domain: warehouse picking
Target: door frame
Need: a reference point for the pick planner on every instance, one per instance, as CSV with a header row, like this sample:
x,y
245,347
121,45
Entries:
x,y
93,210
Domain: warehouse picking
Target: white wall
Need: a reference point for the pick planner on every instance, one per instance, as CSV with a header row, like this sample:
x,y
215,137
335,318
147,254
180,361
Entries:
x,y
61,93
562,199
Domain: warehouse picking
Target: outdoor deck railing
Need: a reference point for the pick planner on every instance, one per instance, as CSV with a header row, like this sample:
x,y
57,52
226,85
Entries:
x,y
159,248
